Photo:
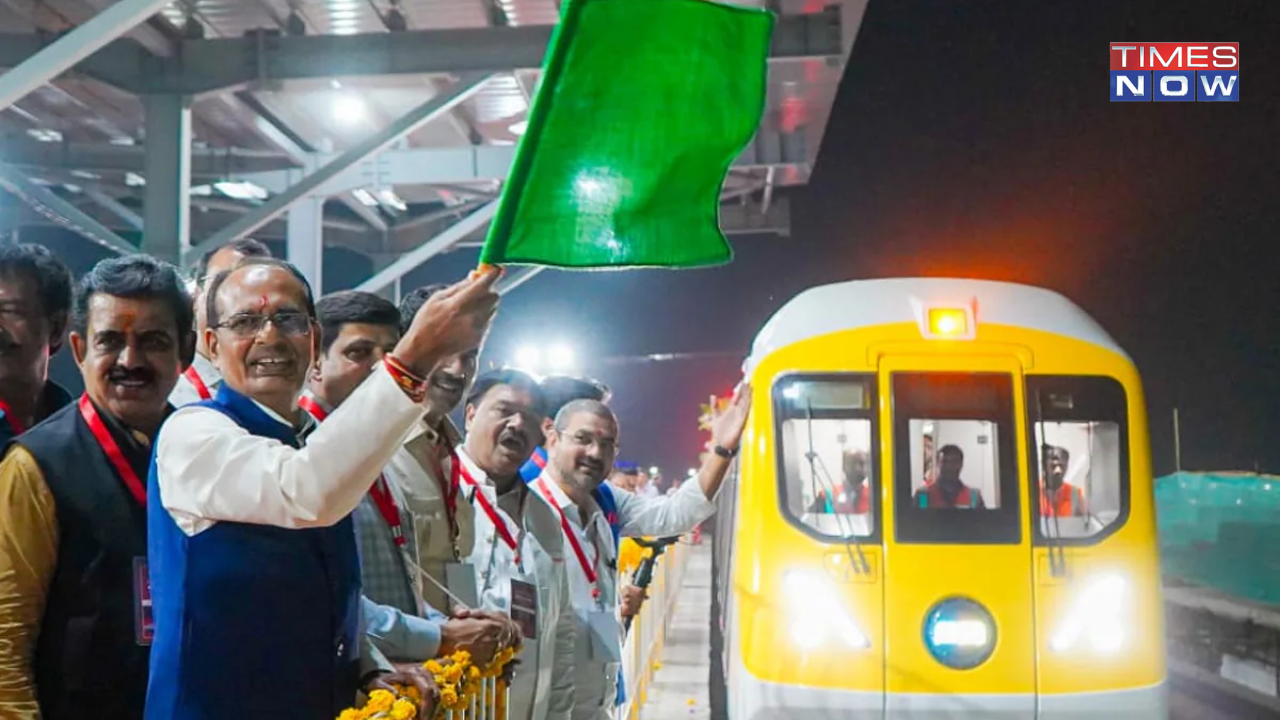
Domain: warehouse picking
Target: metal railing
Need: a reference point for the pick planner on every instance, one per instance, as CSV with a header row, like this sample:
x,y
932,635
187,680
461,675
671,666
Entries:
x,y
643,645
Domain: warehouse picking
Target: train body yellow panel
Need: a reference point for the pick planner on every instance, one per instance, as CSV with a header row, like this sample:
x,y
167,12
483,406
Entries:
x,y
943,509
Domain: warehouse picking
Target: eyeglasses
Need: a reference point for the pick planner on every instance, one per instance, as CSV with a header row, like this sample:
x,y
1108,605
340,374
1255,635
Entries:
x,y
250,325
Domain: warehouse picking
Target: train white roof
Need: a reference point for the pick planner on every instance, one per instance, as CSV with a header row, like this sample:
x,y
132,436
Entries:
x,y
861,303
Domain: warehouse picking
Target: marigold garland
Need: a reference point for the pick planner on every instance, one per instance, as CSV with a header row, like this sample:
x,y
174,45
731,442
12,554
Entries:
x,y
457,680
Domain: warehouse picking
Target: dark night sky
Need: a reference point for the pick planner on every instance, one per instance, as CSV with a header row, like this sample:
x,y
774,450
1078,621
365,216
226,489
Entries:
x,y
975,139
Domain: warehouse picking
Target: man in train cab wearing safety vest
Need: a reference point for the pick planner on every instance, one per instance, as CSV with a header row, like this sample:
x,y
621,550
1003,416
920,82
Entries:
x,y
75,607
255,571
581,448
201,379
519,559
1059,498
854,496
35,300
357,330
948,491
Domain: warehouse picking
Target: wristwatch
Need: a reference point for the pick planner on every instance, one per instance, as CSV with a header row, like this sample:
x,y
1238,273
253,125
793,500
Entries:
x,y
725,453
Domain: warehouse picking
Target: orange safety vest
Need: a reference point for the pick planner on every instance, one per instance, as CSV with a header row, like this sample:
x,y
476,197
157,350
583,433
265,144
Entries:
x,y
1068,503
933,497
859,503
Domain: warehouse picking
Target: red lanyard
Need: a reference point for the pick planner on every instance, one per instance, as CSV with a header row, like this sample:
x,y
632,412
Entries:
x,y
112,449
450,492
197,382
498,523
380,493
587,568
14,423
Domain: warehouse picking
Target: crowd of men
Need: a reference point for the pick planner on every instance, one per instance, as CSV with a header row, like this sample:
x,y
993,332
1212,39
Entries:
x,y
260,508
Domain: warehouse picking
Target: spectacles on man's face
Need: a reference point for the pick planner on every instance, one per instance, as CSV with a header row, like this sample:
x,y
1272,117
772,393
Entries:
x,y
250,324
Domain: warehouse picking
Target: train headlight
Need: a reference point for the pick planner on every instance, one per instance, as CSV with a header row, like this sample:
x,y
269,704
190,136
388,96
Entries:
x,y
817,613
960,633
1095,616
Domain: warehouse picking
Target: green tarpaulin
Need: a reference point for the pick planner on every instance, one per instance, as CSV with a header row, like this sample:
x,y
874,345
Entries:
x,y
1222,530
643,106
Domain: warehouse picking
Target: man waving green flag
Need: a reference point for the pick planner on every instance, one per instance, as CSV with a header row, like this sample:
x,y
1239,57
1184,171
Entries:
x,y
643,106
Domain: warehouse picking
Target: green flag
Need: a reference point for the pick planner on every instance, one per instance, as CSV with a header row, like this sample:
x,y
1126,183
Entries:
x,y
643,106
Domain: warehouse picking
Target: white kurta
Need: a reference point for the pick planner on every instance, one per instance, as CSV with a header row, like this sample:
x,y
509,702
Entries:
x,y
543,686
596,666
210,469
185,392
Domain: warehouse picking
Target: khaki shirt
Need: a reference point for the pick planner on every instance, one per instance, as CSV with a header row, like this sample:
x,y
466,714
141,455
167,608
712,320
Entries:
x,y
422,469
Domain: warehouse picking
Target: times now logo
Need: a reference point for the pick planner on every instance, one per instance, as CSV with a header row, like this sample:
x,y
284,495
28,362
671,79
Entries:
x,y
1175,72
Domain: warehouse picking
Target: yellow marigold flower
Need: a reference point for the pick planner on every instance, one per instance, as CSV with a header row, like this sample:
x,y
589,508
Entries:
x,y
403,710
379,701
351,714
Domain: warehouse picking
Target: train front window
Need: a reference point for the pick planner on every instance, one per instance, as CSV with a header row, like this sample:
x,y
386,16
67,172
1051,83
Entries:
x,y
1079,452
956,477
826,460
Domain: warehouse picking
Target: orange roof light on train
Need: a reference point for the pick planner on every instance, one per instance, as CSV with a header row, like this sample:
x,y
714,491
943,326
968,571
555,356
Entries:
x,y
952,321
948,322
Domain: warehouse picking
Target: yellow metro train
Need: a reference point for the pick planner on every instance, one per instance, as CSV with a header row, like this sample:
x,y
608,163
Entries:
x,y
943,509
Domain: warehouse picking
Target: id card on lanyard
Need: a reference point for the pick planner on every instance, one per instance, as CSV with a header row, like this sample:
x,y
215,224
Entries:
x,y
144,626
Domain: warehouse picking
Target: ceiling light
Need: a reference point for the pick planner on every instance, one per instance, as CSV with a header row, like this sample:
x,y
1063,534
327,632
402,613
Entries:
x,y
241,190
348,109
519,128
365,198
390,199
45,135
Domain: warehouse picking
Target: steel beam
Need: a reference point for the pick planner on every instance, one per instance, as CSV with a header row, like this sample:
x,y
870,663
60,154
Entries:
x,y
304,244
277,172
416,118
74,47
203,66
518,277
429,249
64,214
167,205
437,166
117,208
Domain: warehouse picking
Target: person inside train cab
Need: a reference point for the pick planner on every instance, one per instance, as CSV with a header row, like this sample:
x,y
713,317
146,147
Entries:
x,y
949,491
201,379
1059,498
853,496
35,301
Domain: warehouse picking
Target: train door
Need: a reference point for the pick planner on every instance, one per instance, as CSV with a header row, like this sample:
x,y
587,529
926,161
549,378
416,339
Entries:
x,y
959,626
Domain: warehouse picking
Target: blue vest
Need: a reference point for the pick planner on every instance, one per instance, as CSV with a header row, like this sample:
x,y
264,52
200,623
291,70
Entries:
x,y
253,622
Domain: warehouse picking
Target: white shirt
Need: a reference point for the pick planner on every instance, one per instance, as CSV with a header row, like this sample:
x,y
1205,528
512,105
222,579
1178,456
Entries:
x,y
543,685
185,392
210,469
596,675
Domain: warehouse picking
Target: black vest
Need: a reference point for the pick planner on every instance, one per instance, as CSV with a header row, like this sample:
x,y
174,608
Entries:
x,y
88,662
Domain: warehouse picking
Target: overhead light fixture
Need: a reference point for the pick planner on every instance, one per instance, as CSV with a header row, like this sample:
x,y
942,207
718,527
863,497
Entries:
x,y
241,190
348,109
390,199
365,197
45,135
519,128
134,180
